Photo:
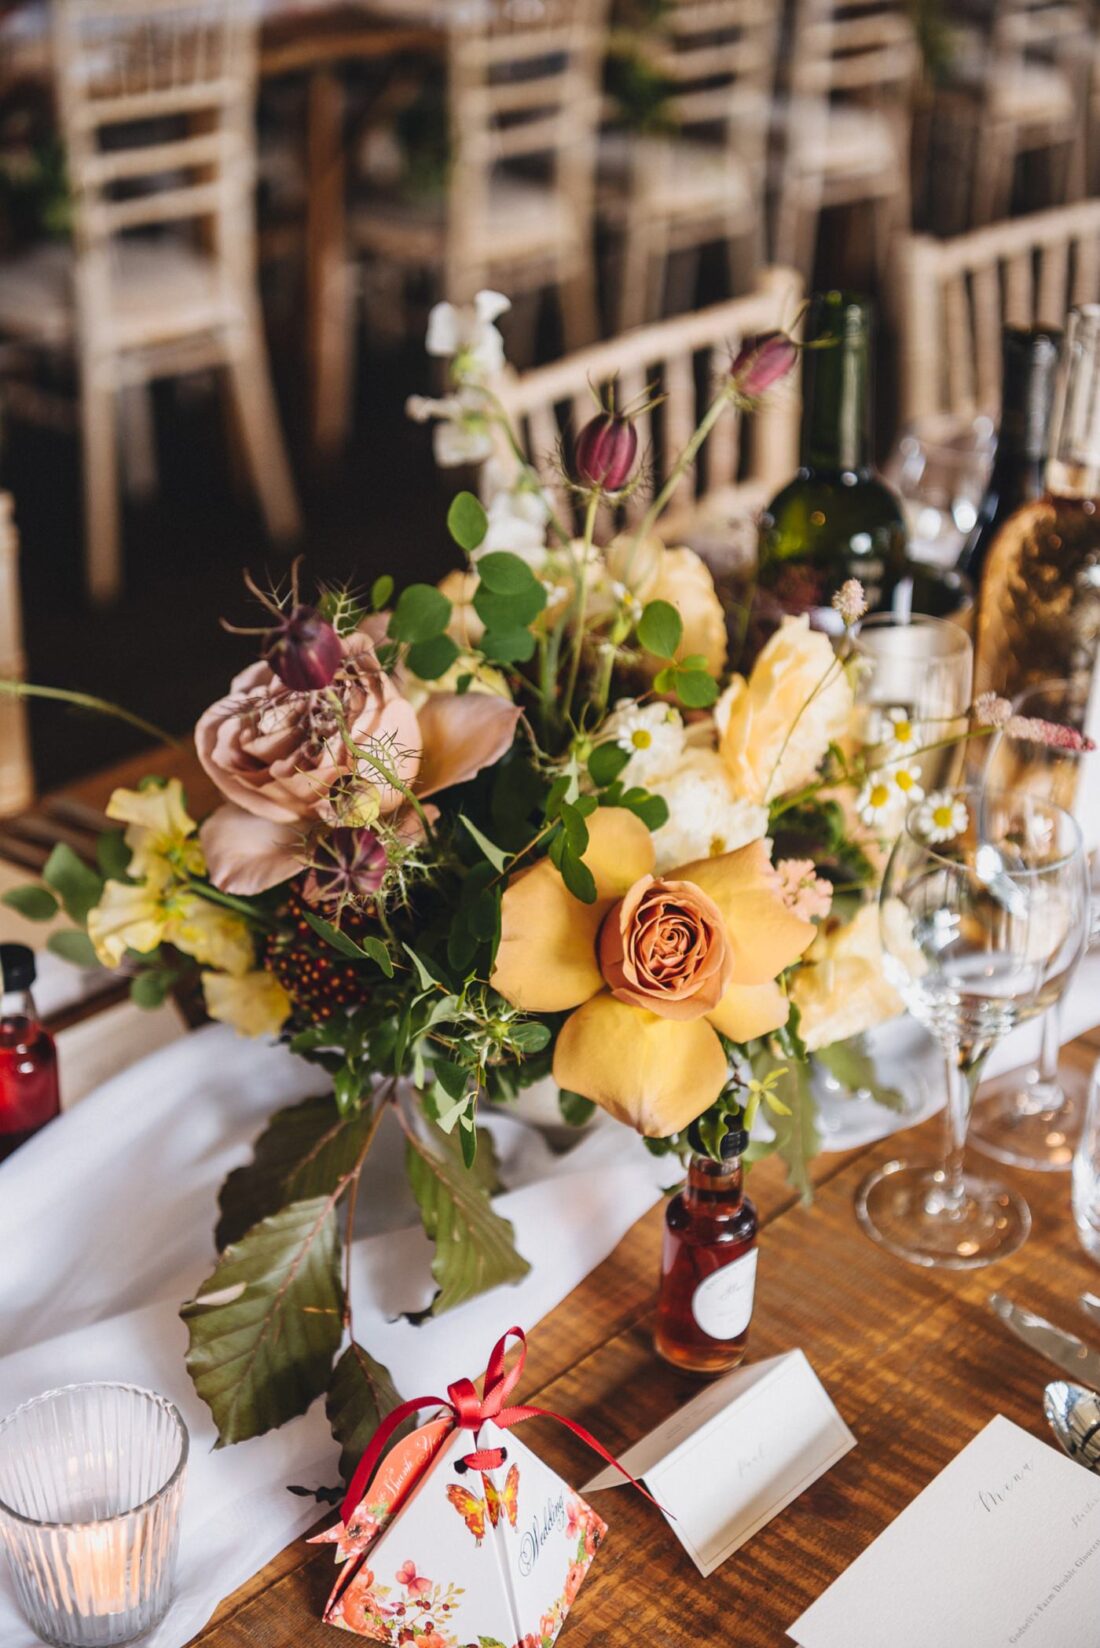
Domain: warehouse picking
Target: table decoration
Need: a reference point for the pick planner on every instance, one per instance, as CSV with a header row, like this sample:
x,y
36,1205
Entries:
x,y
509,1568
91,1482
472,835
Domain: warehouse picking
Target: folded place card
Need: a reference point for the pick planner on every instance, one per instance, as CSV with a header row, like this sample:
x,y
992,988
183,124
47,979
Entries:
x,y
1001,1549
730,1459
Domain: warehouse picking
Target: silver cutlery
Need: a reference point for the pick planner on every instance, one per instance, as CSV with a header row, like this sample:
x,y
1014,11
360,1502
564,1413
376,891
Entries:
x,y
1090,1304
1073,1414
1064,1349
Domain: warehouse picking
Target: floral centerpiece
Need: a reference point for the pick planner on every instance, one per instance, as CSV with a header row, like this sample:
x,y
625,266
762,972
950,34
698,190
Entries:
x,y
472,836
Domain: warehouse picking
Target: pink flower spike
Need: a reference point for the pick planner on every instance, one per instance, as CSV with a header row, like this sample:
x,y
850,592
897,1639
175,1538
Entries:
x,y
992,711
1051,733
804,892
850,601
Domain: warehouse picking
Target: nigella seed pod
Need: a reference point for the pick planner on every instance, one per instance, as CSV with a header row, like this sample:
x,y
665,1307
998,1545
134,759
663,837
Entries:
x,y
605,452
304,650
761,361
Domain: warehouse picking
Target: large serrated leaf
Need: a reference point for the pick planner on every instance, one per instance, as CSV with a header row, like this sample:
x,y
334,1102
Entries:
x,y
304,1151
360,1395
474,1247
266,1324
797,1139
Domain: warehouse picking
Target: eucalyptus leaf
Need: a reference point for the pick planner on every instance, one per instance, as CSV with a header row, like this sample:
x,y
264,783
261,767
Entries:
x,y
474,1247
380,591
77,885
265,1325
852,1066
505,612
31,902
696,689
508,646
73,947
606,763
660,629
360,1395
578,878
467,521
421,613
506,574
797,1139
112,854
149,989
431,659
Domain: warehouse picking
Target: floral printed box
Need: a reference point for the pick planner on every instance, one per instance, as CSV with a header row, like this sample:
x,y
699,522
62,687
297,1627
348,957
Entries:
x,y
470,1559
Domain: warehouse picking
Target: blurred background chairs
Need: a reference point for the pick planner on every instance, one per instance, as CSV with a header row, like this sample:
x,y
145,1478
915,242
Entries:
x,y
16,773
156,111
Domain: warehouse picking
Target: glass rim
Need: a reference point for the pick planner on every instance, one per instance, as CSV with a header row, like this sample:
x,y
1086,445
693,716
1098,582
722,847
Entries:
x,y
979,791
163,1402
949,631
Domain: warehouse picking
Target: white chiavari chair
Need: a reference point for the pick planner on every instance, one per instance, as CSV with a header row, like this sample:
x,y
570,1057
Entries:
x,y
156,101
704,182
954,296
681,359
16,773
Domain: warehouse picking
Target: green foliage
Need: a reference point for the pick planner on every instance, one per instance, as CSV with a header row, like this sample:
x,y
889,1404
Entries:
x,y
797,1139
492,852
505,574
73,947
576,1110
467,522
660,629
149,989
371,949
690,681
852,1066
31,902
606,763
77,886
360,1395
421,614
264,1327
112,855
474,1247
381,592
431,659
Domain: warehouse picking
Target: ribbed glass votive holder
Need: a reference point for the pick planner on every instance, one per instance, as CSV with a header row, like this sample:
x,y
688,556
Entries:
x,y
91,1481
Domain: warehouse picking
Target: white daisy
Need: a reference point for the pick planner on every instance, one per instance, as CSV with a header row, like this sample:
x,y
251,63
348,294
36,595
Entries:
x,y
706,817
651,734
902,733
905,777
942,817
879,801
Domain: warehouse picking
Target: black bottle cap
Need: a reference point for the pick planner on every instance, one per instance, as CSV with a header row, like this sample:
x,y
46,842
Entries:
x,y
734,1143
17,969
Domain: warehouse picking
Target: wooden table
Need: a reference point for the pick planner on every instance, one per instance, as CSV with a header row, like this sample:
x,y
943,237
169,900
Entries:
x,y
913,1359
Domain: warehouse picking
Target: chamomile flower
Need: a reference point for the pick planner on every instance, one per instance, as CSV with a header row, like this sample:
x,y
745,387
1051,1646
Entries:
x,y
942,817
879,800
902,733
651,734
905,777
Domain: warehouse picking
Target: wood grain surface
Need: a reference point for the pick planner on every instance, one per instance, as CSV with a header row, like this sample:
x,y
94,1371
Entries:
x,y
913,1359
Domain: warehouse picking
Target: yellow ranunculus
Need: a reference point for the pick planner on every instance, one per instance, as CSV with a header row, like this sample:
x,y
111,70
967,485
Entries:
x,y
653,970
215,937
126,918
777,726
255,1004
160,831
842,992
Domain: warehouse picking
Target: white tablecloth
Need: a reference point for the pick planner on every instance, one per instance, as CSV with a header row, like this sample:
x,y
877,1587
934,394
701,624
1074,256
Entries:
x,y
105,1226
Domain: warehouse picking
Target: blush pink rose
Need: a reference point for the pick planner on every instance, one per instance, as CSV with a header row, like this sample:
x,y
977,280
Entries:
x,y
664,947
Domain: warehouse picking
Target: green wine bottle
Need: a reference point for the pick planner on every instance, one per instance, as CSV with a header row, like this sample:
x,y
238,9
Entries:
x,y
836,519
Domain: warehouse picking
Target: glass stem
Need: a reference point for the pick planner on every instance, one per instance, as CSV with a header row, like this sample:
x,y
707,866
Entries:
x,y
963,1076
1045,1092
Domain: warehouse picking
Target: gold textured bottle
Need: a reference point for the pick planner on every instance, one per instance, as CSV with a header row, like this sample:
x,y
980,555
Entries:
x,y
1039,606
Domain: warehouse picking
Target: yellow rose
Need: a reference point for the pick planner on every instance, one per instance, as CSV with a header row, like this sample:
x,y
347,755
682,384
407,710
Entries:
x,y
684,581
777,726
465,627
254,1004
840,990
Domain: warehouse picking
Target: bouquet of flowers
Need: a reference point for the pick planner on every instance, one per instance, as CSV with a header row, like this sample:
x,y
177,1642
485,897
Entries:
x,y
475,835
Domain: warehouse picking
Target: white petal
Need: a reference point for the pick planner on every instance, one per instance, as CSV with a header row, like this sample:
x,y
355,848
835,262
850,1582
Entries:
x,y
444,330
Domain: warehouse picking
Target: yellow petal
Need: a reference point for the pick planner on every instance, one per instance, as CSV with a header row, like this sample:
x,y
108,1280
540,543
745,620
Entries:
x,y
765,937
750,1010
126,918
215,937
255,1005
546,959
657,1074
158,808
619,851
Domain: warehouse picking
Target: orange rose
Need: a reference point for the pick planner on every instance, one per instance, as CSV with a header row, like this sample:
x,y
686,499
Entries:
x,y
655,970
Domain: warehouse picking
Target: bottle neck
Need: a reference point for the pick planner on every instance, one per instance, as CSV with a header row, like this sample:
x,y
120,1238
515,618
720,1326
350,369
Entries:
x,y
17,1004
837,415
1074,467
709,1181
1030,360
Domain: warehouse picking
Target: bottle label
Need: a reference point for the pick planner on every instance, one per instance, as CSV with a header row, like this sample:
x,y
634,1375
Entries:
x,y
722,1305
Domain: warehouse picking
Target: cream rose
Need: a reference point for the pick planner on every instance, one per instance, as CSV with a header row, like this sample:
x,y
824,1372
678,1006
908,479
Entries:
x,y
684,580
777,725
840,991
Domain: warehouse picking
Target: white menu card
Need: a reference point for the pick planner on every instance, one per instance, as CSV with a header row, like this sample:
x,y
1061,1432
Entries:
x,y
1001,1550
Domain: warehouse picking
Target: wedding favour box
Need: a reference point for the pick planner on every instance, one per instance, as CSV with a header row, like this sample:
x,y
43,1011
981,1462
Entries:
x,y
438,1555
737,1454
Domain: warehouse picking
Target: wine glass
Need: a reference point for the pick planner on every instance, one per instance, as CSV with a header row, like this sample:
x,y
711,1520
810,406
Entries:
x,y
914,691
1033,1117
983,914
940,473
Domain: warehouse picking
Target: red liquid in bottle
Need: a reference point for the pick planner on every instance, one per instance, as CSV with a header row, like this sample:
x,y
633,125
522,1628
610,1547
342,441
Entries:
x,y
708,1270
29,1093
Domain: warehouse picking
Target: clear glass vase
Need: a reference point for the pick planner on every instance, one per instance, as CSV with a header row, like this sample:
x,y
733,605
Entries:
x,y
91,1482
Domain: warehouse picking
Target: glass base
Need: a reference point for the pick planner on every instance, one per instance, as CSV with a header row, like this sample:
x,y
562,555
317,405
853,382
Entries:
x,y
1011,1123
903,1208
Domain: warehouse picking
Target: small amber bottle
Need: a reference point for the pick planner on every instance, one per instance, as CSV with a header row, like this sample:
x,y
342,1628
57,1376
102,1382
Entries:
x,y
708,1266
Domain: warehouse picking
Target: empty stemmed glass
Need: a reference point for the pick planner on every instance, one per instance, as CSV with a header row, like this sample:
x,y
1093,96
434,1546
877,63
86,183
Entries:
x,y
1033,1117
983,913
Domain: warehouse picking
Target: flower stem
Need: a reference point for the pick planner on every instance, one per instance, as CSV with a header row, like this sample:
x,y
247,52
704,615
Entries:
x,y
582,599
676,474
85,701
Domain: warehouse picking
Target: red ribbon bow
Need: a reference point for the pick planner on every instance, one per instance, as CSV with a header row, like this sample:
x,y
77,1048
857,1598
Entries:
x,y
470,1412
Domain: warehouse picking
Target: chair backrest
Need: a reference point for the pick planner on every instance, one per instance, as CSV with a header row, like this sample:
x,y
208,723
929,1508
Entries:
x,y
719,57
956,295
859,49
156,103
683,360
524,86
16,774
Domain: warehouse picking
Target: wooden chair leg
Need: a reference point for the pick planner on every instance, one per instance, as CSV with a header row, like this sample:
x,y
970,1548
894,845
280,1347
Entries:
x,y
262,436
580,318
633,277
330,277
139,441
102,556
